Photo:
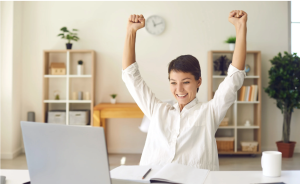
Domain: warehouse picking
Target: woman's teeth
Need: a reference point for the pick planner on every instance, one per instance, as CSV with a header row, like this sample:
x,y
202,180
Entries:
x,y
182,96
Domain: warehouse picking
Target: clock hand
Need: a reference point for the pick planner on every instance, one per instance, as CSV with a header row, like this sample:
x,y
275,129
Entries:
x,y
159,23
154,23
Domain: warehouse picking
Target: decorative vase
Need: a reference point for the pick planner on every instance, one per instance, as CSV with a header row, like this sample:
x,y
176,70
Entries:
x,y
79,69
231,46
69,45
287,149
80,95
113,100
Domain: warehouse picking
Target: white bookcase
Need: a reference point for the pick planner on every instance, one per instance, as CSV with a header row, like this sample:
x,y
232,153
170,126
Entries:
x,y
71,82
239,111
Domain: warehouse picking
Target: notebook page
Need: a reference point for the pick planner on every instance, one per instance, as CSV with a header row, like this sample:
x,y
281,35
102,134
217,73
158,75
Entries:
x,y
181,174
134,172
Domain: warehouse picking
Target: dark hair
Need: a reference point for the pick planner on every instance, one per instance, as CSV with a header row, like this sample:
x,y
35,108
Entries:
x,y
186,64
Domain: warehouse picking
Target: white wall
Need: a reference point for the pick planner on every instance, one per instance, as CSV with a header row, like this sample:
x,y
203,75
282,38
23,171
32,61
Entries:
x,y
11,69
192,28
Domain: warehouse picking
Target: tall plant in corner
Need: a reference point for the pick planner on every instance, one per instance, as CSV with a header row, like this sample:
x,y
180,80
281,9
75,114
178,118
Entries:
x,y
284,87
66,34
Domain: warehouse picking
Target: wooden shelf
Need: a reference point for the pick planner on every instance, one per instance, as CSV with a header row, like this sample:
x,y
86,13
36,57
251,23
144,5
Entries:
x,y
237,111
73,82
223,77
80,76
226,127
245,102
247,127
238,152
80,101
55,76
55,101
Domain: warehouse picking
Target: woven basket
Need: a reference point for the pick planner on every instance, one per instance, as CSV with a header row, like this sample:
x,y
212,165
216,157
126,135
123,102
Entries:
x,y
249,146
225,143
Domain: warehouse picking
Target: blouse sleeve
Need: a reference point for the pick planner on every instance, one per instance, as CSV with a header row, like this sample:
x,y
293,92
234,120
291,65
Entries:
x,y
139,90
226,93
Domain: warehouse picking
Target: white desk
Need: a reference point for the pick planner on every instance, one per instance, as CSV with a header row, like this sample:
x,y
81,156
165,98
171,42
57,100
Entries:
x,y
214,177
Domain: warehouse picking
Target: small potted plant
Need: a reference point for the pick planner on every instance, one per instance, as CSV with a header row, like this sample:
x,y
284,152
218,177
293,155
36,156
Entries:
x,y
113,98
231,42
69,36
284,87
80,68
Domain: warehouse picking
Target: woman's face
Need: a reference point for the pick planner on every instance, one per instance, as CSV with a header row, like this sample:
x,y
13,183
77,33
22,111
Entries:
x,y
184,86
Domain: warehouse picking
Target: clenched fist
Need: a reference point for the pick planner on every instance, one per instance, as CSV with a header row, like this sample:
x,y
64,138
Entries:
x,y
237,17
135,22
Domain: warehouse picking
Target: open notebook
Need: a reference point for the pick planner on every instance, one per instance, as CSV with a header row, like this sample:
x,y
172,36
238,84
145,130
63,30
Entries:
x,y
169,173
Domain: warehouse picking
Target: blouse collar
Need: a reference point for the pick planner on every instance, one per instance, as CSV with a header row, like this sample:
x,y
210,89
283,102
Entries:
x,y
187,106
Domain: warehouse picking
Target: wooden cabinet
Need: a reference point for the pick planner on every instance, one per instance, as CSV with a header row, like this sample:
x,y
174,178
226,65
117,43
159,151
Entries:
x,y
66,85
240,111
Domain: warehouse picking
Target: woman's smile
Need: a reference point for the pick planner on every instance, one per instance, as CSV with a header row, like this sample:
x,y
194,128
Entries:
x,y
182,96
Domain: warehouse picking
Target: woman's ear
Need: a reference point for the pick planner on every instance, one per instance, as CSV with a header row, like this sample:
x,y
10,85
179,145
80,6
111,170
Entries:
x,y
199,82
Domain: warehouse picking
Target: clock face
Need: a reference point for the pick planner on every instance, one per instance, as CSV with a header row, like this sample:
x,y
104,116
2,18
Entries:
x,y
155,25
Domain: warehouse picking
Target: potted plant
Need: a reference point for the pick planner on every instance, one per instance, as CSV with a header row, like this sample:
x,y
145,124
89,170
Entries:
x,y
284,87
113,98
80,68
231,42
69,36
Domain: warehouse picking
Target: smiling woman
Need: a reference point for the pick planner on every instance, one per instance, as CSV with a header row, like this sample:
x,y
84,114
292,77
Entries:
x,y
185,78
184,133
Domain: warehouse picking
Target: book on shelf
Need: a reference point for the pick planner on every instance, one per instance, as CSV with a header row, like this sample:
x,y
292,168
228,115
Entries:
x,y
248,93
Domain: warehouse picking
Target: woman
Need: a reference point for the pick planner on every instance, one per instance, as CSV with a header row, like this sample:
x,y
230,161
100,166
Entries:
x,y
185,132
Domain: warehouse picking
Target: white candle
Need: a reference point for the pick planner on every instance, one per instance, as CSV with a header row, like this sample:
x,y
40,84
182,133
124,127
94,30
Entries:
x,y
74,96
86,96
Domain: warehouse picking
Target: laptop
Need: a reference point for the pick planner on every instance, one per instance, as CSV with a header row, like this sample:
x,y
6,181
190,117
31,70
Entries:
x,y
65,154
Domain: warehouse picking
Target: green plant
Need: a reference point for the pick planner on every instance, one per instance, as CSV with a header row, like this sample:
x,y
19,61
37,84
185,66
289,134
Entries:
x,y
284,87
230,39
69,35
56,97
80,62
113,96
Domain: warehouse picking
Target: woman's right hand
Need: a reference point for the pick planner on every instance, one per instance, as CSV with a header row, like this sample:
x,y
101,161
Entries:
x,y
135,22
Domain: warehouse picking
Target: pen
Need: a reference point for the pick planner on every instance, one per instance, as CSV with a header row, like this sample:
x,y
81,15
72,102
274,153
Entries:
x,y
146,173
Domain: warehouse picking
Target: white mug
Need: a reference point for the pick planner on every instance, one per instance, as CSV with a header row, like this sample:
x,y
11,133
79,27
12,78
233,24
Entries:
x,y
271,163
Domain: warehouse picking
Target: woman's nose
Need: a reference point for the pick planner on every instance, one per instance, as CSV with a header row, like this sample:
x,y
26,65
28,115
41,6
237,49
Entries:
x,y
180,87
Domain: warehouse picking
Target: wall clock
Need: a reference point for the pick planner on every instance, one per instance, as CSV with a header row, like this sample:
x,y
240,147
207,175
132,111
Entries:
x,y
155,25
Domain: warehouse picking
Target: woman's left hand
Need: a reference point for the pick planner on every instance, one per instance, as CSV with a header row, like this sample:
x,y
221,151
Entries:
x,y
237,17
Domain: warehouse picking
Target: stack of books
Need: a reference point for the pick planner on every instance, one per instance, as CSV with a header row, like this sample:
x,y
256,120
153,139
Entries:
x,y
248,93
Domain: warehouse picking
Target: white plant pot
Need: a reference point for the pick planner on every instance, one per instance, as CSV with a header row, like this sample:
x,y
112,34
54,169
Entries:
x,y
79,69
113,100
231,46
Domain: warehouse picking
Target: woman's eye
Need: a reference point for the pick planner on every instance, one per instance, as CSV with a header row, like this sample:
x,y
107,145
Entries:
x,y
186,82
173,83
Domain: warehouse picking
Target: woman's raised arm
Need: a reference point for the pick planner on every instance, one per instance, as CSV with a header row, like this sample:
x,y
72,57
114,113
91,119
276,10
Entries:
x,y
134,82
239,19
135,22
225,95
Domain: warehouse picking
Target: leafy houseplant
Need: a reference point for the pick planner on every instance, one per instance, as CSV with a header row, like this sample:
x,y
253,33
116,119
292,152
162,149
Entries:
x,y
113,98
222,64
284,87
231,42
69,36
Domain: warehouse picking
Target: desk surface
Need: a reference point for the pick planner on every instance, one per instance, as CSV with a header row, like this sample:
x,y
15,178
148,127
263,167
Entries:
x,y
214,177
101,106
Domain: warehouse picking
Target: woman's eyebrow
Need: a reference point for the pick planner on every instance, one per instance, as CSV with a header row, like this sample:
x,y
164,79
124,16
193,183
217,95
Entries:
x,y
182,79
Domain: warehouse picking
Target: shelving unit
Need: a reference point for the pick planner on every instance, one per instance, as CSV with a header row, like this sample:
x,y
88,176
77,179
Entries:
x,y
240,111
68,83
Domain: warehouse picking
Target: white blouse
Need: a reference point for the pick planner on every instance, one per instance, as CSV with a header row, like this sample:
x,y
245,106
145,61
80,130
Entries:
x,y
186,137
